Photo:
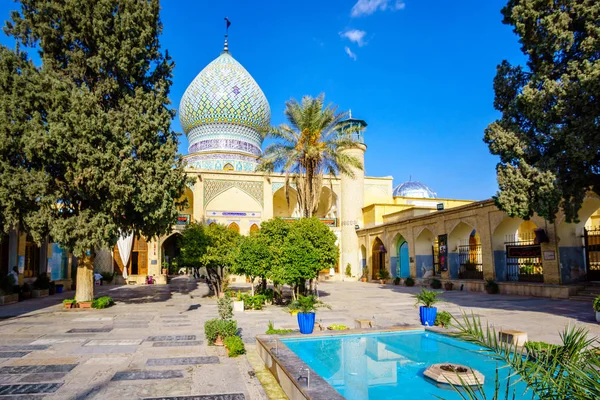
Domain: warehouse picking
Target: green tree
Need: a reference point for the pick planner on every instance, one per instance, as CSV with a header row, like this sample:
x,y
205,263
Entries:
x,y
308,248
309,147
252,258
548,137
94,136
194,242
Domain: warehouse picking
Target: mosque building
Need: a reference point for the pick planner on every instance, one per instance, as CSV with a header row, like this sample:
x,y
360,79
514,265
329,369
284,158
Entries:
x,y
406,230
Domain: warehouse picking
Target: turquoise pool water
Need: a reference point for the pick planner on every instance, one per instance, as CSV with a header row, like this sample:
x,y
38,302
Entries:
x,y
390,365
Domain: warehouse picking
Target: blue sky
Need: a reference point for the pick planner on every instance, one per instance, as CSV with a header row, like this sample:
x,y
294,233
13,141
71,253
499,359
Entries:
x,y
418,71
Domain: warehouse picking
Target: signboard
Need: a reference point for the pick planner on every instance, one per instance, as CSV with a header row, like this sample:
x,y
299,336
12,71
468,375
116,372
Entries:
x,y
527,251
549,255
183,219
440,206
443,252
251,214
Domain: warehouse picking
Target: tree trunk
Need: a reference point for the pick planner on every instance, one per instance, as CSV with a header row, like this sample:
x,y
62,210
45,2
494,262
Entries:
x,y
252,287
85,278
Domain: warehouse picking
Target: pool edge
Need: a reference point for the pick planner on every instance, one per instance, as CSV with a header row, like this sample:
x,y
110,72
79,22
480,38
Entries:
x,y
285,364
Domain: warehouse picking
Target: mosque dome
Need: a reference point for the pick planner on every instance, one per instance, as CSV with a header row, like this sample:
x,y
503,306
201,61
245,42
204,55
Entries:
x,y
222,113
414,189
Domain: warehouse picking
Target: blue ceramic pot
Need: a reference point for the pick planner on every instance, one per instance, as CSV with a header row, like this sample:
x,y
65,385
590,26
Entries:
x,y
427,315
306,322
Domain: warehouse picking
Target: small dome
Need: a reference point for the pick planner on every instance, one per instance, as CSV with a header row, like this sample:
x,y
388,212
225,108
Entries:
x,y
414,189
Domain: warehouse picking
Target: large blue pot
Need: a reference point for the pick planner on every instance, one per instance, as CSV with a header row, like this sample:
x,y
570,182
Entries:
x,y
306,322
427,315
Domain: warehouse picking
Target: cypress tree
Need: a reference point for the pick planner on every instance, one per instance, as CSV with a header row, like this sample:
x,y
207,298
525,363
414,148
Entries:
x,y
92,152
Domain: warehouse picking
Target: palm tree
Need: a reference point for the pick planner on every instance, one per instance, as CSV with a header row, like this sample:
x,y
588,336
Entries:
x,y
310,146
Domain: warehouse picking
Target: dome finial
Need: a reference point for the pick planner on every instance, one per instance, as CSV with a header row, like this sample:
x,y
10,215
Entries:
x,y
226,45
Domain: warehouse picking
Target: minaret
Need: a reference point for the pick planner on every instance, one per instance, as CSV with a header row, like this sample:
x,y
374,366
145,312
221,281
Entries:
x,y
352,199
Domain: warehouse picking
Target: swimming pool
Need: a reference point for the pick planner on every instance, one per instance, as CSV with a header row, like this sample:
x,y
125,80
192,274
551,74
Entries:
x,y
390,365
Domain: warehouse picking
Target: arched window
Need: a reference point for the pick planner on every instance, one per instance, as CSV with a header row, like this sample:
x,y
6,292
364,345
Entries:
x,y
234,227
254,228
212,224
228,167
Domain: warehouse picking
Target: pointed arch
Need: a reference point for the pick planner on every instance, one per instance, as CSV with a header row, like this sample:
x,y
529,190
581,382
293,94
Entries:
x,y
234,227
254,228
378,251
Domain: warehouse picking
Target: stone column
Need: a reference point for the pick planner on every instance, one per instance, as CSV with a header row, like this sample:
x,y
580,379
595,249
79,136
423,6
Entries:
x,y
352,202
550,262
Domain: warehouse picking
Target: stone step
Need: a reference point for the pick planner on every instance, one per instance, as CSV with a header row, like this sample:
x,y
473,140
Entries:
x,y
582,298
589,293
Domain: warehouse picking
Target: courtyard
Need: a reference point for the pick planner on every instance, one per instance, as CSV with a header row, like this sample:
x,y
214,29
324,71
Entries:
x,y
151,344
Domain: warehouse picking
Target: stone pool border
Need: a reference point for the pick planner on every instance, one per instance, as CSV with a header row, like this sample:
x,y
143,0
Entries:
x,y
285,365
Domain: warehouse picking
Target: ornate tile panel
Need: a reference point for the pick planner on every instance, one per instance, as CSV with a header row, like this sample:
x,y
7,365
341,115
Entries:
x,y
214,187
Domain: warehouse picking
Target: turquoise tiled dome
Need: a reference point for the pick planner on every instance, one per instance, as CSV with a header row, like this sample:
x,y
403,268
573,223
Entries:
x,y
223,110
414,189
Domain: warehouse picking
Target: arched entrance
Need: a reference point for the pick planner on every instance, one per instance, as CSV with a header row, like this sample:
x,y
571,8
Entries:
x,y
377,258
171,248
400,262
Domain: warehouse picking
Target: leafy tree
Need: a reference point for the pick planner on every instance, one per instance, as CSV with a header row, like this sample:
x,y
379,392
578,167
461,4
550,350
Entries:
x,y
310,146
548,137
252,258
86,137
194,242
308,248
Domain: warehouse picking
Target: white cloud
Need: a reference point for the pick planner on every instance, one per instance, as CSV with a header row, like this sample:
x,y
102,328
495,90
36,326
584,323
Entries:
x,y
368,7
355,35
350,53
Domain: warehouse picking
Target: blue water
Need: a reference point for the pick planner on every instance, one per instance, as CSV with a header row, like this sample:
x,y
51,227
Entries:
x,y
390,365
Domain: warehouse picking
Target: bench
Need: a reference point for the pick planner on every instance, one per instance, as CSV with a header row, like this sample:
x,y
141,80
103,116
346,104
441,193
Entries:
x,y
363,323
511,336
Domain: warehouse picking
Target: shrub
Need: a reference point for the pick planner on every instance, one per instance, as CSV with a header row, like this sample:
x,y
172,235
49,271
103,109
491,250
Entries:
x,y
235,346
409,281
491,286
219,327
427,298
596,304
337,327
436,284
443,319
42,282
397,280
268,294
272,331
255,302
69,301
102,302
307,304
225,307
384,274
107,277
348,270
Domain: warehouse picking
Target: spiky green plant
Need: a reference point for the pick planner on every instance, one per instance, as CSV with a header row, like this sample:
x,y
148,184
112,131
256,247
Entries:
x,y
568,371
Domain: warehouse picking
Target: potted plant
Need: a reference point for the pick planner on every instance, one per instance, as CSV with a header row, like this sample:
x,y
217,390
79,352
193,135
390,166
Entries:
x,y
234,346
216,330
238,304
69,303
84,304
397,280
426,299
436,284
337,327
306,306
165,268
348,271
41,286
597,308
448,285
384,275
409,281
25,292
491,286
365,274
107,277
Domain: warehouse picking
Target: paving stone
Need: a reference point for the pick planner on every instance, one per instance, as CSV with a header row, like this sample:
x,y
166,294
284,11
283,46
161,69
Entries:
x,y
36,369
159,362
175,325
146,375
114,342
177,344
6,390
23,347
105,350
173,316
43,377
89,330
225,396
93,319
170,338
13,354
44,341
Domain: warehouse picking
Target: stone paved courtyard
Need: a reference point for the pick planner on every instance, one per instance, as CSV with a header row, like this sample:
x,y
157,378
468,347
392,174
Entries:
x,y
151,343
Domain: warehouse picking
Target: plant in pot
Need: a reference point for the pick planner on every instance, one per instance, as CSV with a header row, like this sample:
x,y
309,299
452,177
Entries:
x,y
436,284
448,285
365,273
409,281
597,308
491,286
426,299
307,306
397,280
25,292
165,268
216,330
69,303
107,277
384,275
41,286
348,271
